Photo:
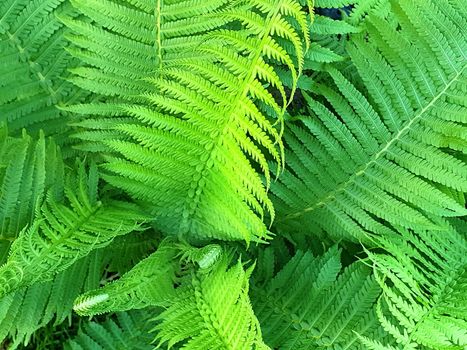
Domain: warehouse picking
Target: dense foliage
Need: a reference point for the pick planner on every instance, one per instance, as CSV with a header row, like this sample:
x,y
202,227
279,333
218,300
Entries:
x,y
248,174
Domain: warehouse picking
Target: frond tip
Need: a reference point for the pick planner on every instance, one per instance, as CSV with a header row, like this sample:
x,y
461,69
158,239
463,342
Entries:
x,y
148,283
83,306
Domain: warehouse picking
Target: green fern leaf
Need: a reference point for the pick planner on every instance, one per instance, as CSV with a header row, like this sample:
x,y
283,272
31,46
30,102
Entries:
x,y
28,169
23,312
150,35
198,143
309,305
149,283
127,330
366,159
61,234
33,65
424,280
212,311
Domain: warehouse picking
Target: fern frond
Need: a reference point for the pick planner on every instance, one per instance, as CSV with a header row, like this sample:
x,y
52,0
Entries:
x,y
212,311
126,42
199,141
33,66
62,233
309,304
151,281
329,38
148,283
28,169
126,330
423,275
369,158
23,312
49,304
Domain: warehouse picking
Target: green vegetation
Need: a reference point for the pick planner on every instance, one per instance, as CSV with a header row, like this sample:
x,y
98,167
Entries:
x,y
248,174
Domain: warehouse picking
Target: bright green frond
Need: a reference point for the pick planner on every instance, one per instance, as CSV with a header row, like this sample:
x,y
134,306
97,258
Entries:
x,y
121,44
233,175
150,282
424,279
62,233
49,304
199,145
310,304
387,153
212,311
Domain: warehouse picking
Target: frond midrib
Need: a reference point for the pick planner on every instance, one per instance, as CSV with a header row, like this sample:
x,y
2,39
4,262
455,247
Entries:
x,y
362,169
34,72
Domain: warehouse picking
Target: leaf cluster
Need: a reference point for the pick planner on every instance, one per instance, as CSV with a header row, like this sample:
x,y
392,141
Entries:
x,y
248,174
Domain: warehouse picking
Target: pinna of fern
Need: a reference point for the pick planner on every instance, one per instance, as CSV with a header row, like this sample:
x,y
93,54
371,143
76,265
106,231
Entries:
x,y
211,311
49,304
127,330
66,230
211,297
148,283
383,149
198,141
29,169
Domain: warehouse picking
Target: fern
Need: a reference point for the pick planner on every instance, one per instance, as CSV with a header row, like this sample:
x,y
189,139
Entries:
x,y
310,305
212,311
33,65
49,304
125,331
364,162
118,61
150,282
150,142
28,169
424,280
61,234
23,312
205,108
